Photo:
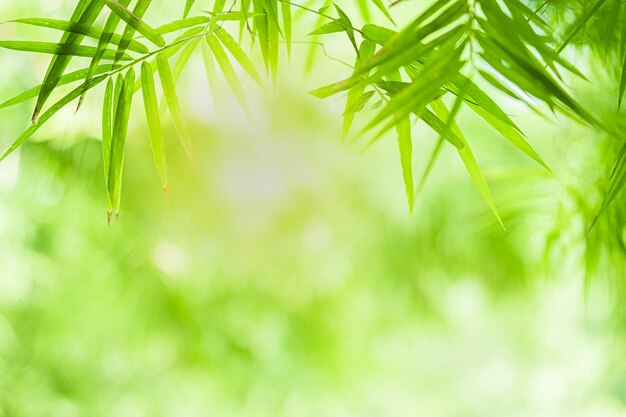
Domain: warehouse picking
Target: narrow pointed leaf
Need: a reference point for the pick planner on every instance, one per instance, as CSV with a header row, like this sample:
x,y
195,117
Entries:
x,y
154,122
135,22
60,49
107,133
169,90
118,139
86,13
82,29
239,54
227,70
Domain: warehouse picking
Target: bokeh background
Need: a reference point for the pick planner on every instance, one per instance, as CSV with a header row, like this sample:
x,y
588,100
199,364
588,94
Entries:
x,y
285,275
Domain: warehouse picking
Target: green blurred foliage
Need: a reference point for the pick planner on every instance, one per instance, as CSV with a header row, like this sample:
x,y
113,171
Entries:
x,y
285,277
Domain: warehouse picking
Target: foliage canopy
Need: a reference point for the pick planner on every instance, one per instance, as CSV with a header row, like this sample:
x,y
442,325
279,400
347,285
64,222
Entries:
x,y
434,65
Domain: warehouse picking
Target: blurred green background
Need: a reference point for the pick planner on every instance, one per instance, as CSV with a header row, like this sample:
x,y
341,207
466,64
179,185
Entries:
x,y
285,276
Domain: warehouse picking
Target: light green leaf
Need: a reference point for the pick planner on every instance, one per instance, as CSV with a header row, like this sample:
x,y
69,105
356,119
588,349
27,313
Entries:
x,y
468,158
82,29
118,139
154,122
169,89
182,24
239,55
227,70
60,49
135,22
85,13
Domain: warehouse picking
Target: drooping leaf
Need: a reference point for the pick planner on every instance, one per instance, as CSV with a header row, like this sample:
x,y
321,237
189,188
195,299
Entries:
x,y
118,139
154,122
239,54
209,67
471,164
286,13
366,51
405,147
107,134
227,70
169,90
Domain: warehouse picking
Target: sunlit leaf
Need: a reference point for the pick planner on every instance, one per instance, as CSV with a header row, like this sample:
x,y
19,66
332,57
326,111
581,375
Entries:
x,y
154,122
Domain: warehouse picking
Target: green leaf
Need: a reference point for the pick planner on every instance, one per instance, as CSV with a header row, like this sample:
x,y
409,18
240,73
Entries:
x,y
135,22
118,139
129,31
227,70
188,5
154,122
60,49
74,94
379,4
239,55
107,131
331,27
581,24
66,79
366,51
169,90
622,84
286,12
358,104
468,158
107,35
345,20
234,16
209,66
82,29
405,147
85,13
182,24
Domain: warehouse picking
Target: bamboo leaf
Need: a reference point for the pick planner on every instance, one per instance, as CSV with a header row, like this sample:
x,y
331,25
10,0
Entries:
x,y
107,36
227,70
188,5
118,139
169,90
82,29
129,31
135,22
405,147
154,122
366,51
239,55
286,12
60,49
107,134
86,13
182,24
209,66
469,159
